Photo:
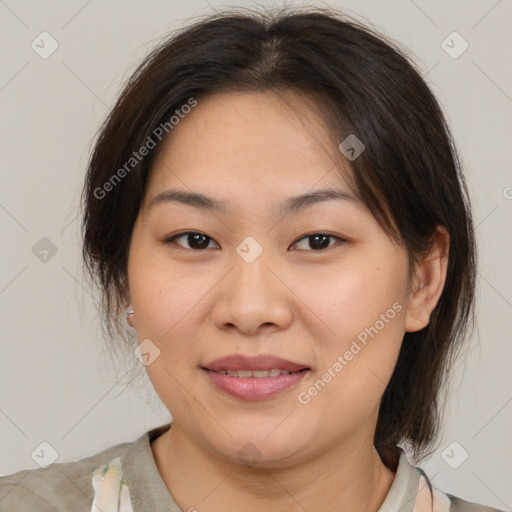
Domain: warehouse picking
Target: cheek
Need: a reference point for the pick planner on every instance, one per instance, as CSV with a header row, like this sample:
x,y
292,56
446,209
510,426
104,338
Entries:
x,y
162,294
166,301
351,298
364,315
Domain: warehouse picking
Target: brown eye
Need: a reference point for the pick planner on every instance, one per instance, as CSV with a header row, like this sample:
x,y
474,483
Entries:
x,y
319,241
196,240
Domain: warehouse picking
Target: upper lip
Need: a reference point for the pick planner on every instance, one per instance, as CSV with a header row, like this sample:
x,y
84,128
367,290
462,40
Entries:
x,y
258,362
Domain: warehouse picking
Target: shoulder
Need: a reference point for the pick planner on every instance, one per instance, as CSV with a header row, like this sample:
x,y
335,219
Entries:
x,y
431,499
445,502
459,505
58,487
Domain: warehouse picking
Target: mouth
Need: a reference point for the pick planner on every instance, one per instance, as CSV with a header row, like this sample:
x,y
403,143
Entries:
x,y
254,378
257,363
255,374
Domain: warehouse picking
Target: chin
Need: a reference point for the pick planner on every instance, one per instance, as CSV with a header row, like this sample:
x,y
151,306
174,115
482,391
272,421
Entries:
x,y
260,444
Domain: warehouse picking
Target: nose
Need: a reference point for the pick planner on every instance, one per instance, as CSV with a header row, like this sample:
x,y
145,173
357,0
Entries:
x,y
253,298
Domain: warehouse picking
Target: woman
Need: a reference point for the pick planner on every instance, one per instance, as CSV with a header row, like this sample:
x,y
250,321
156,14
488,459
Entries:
x,y
277,201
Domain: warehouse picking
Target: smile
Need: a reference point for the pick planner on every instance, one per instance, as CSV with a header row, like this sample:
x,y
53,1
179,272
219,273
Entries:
x,y
257,374
254,385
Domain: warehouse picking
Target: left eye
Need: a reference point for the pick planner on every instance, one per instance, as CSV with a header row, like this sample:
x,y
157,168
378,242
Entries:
x,y
320,241
195,239
199,241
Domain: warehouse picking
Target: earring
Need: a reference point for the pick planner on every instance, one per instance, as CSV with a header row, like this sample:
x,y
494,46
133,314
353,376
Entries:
x,y
129,320
420,287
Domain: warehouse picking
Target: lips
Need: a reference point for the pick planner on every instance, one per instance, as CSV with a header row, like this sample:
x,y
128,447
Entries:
x,y
261,362
256,374
254,378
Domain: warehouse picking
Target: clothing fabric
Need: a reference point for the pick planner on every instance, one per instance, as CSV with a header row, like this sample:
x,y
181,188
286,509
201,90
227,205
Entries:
x,y
125,478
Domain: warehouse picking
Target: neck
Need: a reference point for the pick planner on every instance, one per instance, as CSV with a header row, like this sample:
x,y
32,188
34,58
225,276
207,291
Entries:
x,y
352,476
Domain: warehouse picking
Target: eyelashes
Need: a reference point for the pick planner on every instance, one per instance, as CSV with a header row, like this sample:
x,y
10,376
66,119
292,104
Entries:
x,y
200,241
197,237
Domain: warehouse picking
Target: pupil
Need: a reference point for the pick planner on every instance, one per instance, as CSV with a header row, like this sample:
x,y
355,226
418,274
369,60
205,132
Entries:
x,y
195,240
317,244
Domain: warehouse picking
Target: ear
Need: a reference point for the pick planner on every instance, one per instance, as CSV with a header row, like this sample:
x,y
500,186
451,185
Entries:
x,y
428,282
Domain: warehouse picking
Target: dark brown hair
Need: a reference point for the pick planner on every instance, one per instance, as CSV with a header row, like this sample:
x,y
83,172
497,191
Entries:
x,y
409,174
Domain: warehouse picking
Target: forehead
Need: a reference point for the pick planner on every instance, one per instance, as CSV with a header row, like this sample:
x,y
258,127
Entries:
x,y
264,142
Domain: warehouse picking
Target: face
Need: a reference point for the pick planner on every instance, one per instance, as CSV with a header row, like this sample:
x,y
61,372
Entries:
x,y
320,285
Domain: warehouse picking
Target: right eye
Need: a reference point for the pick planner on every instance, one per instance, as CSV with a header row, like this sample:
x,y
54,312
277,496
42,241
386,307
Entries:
x,y
195,239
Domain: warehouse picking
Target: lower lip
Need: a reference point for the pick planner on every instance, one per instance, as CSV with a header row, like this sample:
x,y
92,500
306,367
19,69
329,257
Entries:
x,y
254,389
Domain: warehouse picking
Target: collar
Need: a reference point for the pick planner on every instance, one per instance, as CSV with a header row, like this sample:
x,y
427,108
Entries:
x,y
149,493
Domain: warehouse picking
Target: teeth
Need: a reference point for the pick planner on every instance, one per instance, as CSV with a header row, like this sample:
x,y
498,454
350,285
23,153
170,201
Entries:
x,y
257,374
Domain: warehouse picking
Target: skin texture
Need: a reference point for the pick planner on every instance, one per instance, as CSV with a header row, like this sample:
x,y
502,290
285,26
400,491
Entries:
x,y
300,303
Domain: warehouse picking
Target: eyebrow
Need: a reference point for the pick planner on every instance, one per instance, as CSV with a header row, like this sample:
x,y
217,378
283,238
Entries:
x,y
292,204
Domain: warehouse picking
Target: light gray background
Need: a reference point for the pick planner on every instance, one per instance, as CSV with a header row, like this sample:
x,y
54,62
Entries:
x,y
56,383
